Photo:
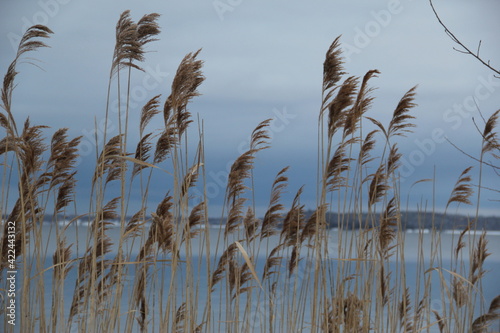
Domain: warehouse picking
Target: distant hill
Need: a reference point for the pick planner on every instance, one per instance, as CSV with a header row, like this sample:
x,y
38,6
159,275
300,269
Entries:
x,y
409,220
416,220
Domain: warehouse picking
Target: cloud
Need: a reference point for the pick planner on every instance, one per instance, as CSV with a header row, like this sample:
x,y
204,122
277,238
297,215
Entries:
x,y
260,57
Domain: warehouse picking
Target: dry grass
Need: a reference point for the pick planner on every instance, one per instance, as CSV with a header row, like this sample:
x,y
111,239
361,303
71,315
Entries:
x,y
304,284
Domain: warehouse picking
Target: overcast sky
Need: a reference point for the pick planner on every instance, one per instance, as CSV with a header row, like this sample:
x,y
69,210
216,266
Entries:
x,y
263,59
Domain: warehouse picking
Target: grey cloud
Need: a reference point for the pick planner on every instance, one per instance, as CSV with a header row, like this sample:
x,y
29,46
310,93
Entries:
x,y
263,56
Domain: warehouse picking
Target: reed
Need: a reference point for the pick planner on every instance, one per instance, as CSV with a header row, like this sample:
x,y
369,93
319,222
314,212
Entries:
x,y
307,281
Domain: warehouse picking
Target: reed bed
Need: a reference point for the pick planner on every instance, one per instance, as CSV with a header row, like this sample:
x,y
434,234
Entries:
x,y
306,281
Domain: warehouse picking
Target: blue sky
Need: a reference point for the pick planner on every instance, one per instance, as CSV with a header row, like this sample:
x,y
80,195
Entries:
x,y
263,59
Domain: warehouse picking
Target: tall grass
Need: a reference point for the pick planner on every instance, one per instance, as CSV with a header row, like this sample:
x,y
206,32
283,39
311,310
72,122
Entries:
x,y
305,283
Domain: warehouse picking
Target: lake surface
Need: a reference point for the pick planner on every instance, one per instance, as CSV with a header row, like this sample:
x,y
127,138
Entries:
x,y
416,245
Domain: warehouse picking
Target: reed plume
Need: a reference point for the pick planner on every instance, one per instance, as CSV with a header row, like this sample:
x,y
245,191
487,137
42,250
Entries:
x,y
142,153
196,218
440,321
384,290
460,292
225,258
293,222
243,275
273,213
29,42
180,317
190,179
482,322
240,171
184,88
461,243
127,48
346,312
294,259
462,189
149,110
162,234
62,266
338,114
387,232
61,260
479,255
135,225
251,224
235,216
333,66
62,160
378,186
109,161
166,142
313,223
131,38
141,303
148,28
90,291
145,259
337,166
31,148
65,193
63,155
490,137
400,124
273,262
366,147
404,310
393,160
162,230
361,105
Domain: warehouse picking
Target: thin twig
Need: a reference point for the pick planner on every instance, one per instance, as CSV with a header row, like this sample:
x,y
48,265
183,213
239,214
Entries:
x,y
456,40
470,156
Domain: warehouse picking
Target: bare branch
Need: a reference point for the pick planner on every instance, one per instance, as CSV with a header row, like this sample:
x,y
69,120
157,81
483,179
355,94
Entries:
x,y
465,50
472,157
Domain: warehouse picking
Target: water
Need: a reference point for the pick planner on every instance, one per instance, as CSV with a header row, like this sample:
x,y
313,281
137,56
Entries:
x,y
161,275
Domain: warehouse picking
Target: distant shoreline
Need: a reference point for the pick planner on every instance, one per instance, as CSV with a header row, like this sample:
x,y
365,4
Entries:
x,y
411,220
